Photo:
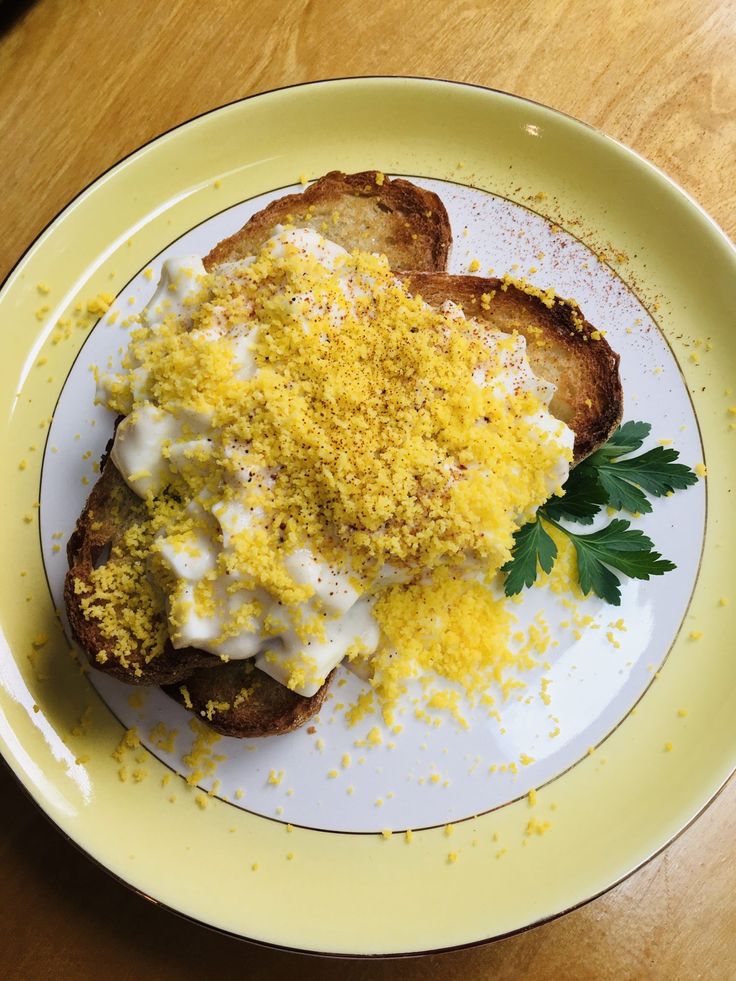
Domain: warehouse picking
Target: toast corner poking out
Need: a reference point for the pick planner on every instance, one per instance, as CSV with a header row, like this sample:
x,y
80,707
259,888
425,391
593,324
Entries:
x,y
562,347
366,211
239,700
125,639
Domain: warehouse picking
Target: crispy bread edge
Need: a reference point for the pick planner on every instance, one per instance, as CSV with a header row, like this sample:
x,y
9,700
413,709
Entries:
x,y
560,346
424,233
269,708
96,529
276,709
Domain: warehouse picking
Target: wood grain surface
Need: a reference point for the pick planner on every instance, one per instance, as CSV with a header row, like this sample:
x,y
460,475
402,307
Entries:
x,y
82,83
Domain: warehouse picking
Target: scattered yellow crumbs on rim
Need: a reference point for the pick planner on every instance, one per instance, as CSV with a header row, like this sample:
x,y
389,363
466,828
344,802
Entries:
x,y
536,826
695,634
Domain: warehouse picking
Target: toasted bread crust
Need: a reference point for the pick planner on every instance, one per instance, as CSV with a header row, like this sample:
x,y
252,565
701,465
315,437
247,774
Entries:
x,y
256,704
110,509
560,347
270,709
405,222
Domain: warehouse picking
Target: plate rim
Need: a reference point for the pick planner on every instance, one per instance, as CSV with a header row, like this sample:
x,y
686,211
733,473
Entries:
x,y
353,78
37,241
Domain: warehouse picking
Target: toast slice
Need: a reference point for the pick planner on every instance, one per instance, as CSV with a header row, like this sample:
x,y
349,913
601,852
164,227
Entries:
x,y
562,347
365,211
239,700
127,640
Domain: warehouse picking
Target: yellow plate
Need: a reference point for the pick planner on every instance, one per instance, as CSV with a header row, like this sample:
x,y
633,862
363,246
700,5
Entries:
x,y
363,893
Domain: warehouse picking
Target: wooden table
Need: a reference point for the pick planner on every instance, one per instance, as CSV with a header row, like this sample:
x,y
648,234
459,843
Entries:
x,y
82,84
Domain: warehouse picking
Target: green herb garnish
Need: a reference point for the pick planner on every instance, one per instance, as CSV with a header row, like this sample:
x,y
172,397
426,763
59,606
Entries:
x,y
604,479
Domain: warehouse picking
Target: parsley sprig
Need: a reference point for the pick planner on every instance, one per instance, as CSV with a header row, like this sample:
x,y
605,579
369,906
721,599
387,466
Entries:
x,y
605,478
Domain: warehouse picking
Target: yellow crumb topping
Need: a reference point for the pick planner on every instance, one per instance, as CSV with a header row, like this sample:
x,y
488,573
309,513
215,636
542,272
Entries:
x,y
121,602
451,627
389,442
391,485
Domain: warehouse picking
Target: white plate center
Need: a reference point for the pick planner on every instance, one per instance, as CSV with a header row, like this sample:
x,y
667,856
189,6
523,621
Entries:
x,y
599,661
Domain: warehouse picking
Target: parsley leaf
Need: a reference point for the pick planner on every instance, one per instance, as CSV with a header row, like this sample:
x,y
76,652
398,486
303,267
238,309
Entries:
x,y
617,545
654,471
532,545
620,493
583,497
626,439
604,478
